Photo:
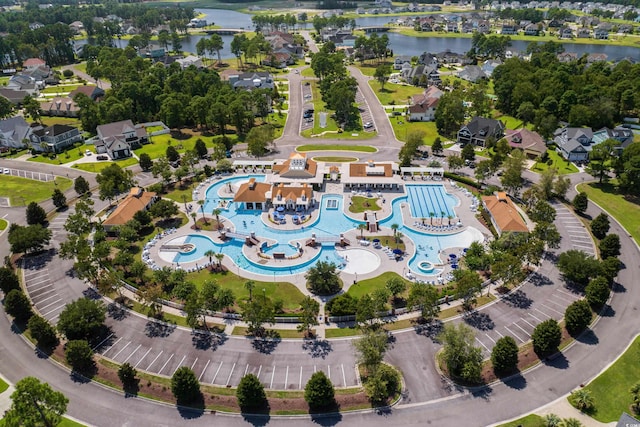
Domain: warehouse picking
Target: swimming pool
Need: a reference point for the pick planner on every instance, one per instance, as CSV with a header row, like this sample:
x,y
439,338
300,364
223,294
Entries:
x,y
330,222
427,201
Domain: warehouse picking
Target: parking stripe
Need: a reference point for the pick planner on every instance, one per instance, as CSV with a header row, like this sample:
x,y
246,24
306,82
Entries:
x,y
539,321
121,350
286,378
101,342
344,377
194,363
134,352
231,373
300,381
246,369
540,311
44,293
492,340
272,375
50,304
179,364
216,374
514,334
111,346
498,332
546,306
482,344
522,329
154,360
259,371
49,284
567,293
204,370
525,321
165,363
329,371
145,355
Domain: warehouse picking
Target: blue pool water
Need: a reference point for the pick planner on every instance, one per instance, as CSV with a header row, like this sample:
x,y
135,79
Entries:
x,y
428,201
330,222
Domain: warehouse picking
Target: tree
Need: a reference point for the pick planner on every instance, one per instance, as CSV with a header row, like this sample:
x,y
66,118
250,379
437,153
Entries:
x,y
597,292
342,305
577,316
8,280
468,153
580,202
256,313
127,375
449,115
258,139
408,151
36,214
371,348
504,355
17,304
552,420
468,285
58,199
512,172
582,399
145,161
32,108
114,180
382,75
81,185
396,286
28,239
42,331
79,355
6,108
319,391
322,279
571,422
35,404
484,169
185,386
82,319
546,338
250,394
201,148
426,297
609,246
462,358
601,158
455,162
437,147
600,226
635,395
164,209
308,315
578,267
542,211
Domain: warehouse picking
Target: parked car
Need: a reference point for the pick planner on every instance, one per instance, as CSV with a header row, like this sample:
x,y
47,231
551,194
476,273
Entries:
x,y
368,125
102,157
7,171
88,152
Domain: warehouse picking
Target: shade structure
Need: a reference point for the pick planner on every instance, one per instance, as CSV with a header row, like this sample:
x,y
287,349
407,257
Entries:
x,y
398,251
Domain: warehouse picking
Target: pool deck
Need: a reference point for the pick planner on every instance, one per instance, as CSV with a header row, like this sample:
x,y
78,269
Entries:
x,y
464,211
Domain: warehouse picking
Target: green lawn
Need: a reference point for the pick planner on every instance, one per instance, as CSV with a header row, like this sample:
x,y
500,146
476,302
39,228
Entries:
x,y
336,147
402,128
71,121
96,167
151,129
307,72
558,162
393,93
62,89
341,332
625,209
66,422
335,159
611,389
528,421
177,194
288,293
368,286
277,120
3,225
361,204
3,385
282,333
70,155
22,191
159,143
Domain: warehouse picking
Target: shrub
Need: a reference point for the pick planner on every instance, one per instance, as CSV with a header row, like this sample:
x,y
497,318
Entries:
x,y
473,183
609,246
580,202
17,304
8,280
600,226
343,305
185,386
382,384
546,338
582,399
504,355
250,393
127,375
67,73
319,392
577,316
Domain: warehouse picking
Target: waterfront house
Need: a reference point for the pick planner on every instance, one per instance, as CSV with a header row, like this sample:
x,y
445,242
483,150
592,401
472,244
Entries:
x,y
479,130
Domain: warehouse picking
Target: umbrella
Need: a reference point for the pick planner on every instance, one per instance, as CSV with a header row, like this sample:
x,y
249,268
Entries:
x,y
280,209
296,217
453,256
376,240
465,250
454,266
398,251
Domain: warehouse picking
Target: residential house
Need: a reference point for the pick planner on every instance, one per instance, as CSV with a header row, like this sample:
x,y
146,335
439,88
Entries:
x,y
567,56
188,61
565,33
14,96
399,61
574,144
14,132
55,138
137,200
531,30
472,73
33,63
93,92
583,33
24,83
278,60
452,27
484,27
601,34
422,75
505,216
468,28
60,107
428,59
448,57
530,142
624,136
479,130
489,65
252,80
197,23
118,139
423,106
508,30
555,23
596,57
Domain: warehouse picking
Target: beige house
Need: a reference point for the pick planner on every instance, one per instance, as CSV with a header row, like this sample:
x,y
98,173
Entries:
x,y
137,200
504,215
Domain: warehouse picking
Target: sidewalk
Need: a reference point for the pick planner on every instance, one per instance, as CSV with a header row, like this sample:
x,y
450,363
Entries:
x,y
5,397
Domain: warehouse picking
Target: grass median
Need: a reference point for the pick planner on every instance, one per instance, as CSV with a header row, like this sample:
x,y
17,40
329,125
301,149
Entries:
x,y
336,147
22,191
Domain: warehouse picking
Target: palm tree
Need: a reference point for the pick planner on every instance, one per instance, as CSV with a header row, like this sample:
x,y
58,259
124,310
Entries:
x,y
582,399
571,422
552,420
219,256
250,285
362,227
431,214
395,227
201,203
193,215
423,220
216,212
399,237
449,217
442,214
210,253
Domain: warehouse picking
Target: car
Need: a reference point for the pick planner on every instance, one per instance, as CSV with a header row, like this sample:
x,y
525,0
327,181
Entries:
x,y
368,125
7,171
102,157
306,83
472,165
88,152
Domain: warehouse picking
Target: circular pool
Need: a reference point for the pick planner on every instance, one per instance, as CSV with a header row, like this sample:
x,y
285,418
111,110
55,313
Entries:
x,y
426,267
359,261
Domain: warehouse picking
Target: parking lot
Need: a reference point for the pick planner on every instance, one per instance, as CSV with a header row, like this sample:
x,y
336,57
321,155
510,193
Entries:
x,y
365,112
579,235
41,282
222,367
45,177
307,96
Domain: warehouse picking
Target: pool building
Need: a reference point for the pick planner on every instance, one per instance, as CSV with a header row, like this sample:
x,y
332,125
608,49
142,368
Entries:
x,y
253,195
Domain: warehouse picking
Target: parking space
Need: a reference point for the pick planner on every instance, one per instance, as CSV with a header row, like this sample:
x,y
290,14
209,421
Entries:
x,y
41,288
28,174
224,368
365,113
307,96
580,238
